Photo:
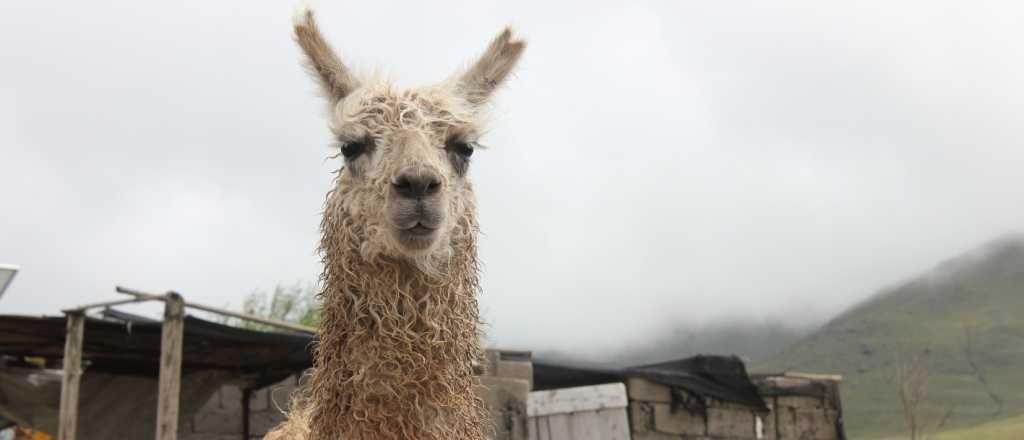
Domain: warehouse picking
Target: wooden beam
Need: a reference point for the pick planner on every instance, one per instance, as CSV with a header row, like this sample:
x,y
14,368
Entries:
x,y
169,385
68,418
813,376
107,304
220,311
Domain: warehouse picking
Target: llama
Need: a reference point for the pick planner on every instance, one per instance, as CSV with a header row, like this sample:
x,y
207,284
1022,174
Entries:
x,y
400,330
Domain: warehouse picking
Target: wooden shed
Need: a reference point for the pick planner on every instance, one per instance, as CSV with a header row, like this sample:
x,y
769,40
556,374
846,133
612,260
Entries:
x,y
698,398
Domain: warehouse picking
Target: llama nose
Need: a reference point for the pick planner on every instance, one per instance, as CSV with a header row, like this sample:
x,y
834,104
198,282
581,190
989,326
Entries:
x,y
416,184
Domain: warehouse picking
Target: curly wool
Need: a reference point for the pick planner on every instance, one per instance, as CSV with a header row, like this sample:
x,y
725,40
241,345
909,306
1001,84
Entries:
x,y
296,426
396,347
399,335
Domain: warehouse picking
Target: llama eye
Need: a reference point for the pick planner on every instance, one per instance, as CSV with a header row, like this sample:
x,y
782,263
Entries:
x,y
458,155
463,149
352,150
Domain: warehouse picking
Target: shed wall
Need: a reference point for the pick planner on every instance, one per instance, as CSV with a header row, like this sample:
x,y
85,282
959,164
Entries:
x,y
653,415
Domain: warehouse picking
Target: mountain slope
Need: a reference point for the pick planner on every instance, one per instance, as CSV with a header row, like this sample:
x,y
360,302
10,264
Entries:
x,y
1005,429
965,318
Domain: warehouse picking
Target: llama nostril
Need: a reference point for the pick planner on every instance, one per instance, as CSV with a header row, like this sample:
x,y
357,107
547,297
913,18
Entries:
x,y
401,183
433,187
416,186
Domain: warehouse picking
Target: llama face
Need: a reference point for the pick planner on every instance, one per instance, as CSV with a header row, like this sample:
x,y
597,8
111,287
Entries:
x,y
407,156
404,186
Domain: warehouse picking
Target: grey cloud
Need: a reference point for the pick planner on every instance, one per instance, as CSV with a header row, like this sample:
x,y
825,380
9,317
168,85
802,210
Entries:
x,y
652,165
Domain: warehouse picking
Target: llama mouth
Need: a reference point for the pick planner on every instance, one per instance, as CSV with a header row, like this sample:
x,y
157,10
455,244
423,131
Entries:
x,y
419,230
416,238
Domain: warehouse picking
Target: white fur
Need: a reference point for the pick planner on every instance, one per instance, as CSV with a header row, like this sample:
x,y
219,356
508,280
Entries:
x,y
301,11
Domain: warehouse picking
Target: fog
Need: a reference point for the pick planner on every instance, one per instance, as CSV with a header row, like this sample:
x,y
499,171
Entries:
x,y
651,166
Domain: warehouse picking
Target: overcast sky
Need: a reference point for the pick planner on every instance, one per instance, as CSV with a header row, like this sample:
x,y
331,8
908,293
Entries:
x,y
652,164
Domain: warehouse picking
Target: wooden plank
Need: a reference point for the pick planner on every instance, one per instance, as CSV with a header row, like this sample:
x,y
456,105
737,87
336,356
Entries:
x,y
169,385
106,304
812,376
583,413
616,424
559,428
587,425
605,424
68,422
543,430
225,312
570,400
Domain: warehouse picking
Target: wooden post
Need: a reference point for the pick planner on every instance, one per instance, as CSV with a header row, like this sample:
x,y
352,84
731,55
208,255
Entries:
x,y
246,398
170,367
68,421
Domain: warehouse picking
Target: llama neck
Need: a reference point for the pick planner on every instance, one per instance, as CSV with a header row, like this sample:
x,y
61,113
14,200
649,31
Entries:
x,y
396,351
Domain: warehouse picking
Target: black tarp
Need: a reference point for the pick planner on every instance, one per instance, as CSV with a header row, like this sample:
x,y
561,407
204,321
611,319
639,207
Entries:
x,y
129,344
719,377
722,378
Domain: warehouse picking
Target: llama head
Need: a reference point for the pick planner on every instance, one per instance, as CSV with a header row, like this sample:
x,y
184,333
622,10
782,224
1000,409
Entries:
x,y
403,189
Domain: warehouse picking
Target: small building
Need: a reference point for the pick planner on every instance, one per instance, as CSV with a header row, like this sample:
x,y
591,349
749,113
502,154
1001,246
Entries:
x,y
703,397
236,384
120,362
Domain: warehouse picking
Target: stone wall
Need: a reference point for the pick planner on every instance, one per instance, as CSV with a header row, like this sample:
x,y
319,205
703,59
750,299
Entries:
x,y
221,417
792,415
507,380
654,417
804,406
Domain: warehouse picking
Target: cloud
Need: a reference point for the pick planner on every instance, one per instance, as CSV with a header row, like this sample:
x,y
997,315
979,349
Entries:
x,y
652,165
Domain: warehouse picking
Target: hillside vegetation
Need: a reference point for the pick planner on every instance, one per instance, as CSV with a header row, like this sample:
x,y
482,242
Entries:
x,y
965,319
1005,429
1002,429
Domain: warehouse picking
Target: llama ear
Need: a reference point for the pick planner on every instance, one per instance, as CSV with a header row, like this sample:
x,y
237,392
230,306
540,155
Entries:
x,y
321,60
488,72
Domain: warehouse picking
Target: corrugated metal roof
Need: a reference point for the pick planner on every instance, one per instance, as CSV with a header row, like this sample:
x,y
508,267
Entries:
x,y
125,343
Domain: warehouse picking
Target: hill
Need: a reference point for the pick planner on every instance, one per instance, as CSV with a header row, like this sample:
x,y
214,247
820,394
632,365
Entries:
x,y
965,319
1002,429
751,340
